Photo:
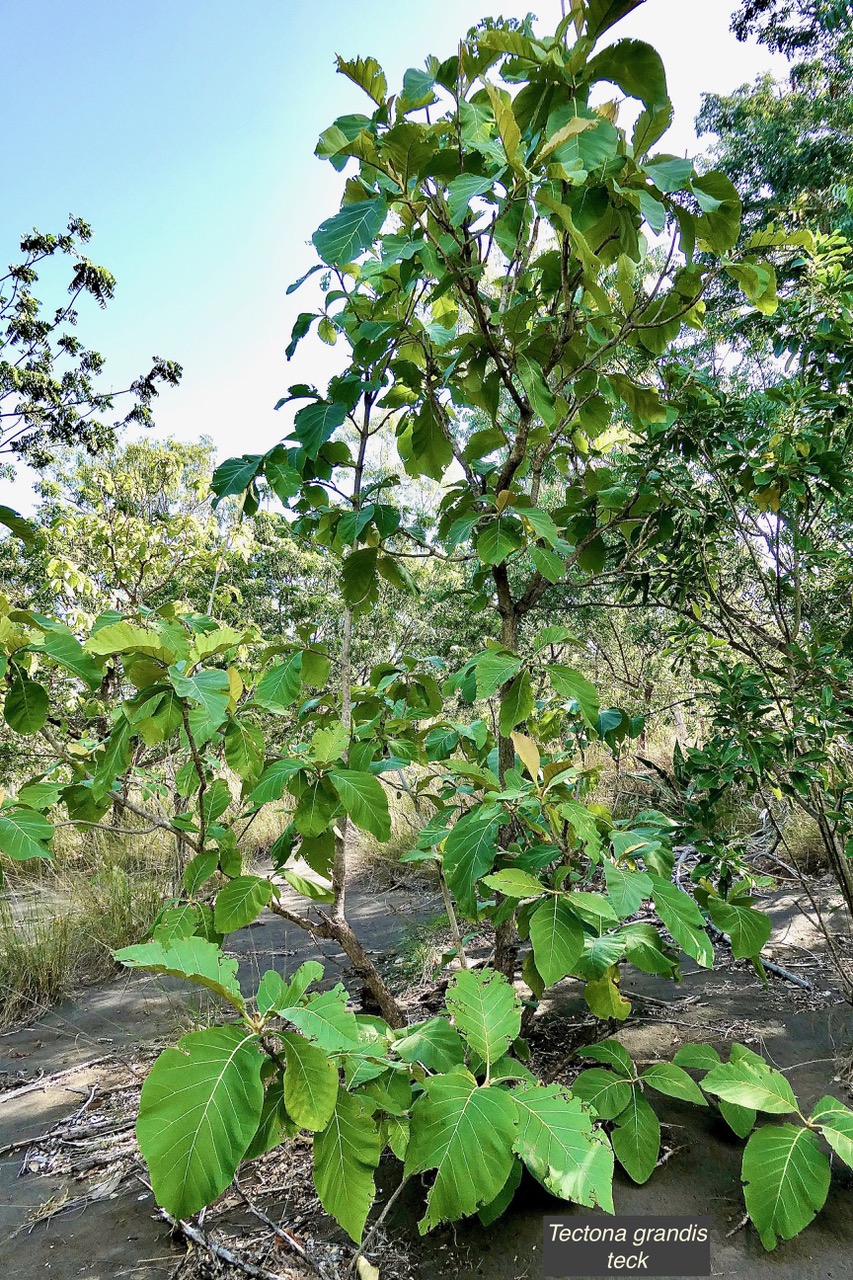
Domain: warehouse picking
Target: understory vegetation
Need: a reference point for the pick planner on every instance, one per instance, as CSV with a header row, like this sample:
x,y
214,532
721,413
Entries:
x,y
542,602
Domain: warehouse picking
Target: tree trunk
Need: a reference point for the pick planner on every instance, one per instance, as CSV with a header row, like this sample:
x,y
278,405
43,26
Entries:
x,y
506,937
342,932
339,927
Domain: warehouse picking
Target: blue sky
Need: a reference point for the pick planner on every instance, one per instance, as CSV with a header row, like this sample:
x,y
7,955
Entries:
x,y
184,130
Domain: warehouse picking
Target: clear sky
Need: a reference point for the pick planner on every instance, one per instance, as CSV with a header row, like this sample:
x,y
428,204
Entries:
x,y
184,130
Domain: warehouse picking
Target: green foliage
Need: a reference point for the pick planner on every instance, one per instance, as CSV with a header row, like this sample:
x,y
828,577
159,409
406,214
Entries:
x,y
200,1106
515,345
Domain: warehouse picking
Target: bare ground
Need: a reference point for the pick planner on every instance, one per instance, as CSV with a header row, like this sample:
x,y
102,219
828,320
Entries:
x,y
73,1203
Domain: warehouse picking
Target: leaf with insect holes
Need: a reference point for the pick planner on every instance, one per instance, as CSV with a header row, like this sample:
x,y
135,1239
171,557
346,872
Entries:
x,y
466,1133
486,1010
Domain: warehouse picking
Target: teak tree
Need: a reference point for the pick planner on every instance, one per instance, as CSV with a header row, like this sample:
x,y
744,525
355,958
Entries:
x,y
505,316
513,275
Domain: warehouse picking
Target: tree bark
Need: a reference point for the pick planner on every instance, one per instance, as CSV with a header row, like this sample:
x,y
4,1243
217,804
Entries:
x,y
338,927
506,937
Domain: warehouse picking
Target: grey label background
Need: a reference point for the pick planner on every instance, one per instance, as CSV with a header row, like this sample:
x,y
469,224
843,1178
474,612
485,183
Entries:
x,y
588,1259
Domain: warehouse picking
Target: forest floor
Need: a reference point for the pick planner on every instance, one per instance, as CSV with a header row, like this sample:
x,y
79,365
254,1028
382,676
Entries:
x,y
73,1203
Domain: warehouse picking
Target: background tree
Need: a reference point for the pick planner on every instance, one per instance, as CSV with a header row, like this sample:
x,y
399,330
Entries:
x,y
49,379
788,146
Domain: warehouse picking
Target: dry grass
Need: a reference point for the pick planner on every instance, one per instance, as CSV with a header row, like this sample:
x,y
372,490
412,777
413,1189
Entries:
x,y
61,933
61,920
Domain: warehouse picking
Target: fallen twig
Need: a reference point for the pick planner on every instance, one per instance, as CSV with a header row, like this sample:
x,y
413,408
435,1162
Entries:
x,y
377,1224
787,975
203,1241
45,1082
284,1235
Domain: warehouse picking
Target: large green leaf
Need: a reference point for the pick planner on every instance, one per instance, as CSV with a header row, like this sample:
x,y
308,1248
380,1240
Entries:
x,y
721,204
626,889
836,1125
602,14
557,939
317,423
750,1082
24,834
571,684
698,1057
210,691
466,1134
17,525
122,637
64,647
498,539
785,1181
275,994
609,1094
486,1010
741,1120
636,1138
244,749
199,1110
310,1083
636,68
27,704
495,667
340,239
683,919
667,1078
513,883
747,928
364,798
358,576
644,948
614,1054
194,958
346,1154
469,853
430,448
434,1043
279,688
234,475
558,1144
367,74
326,1019
240,902
461,191
516,704
317,805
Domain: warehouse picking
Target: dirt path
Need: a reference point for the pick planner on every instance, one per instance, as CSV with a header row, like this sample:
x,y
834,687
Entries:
x,y
100,1040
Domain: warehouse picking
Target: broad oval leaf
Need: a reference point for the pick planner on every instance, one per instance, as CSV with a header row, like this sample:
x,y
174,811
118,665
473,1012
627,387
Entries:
x,y
26,706
346,1154
240,902
557,938
636,1138
199,1110
193,958
751,1083
609,1094
785,1181
466,1134
364,798
310,1083
340,239
558,1144
487,1011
